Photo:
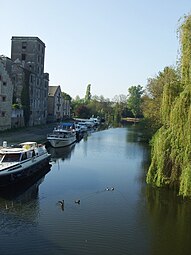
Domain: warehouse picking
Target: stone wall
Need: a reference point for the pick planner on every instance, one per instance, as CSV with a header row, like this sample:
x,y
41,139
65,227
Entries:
x,y
6,94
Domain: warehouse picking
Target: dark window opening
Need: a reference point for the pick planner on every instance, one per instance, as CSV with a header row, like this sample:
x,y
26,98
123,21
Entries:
x,y
24,45
23,56
3,114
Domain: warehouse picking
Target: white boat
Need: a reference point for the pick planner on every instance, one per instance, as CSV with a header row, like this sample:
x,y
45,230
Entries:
x,y
63,135
19,162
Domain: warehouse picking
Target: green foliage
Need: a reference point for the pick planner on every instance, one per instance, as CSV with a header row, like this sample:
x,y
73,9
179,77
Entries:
x,y
134,99
88,94
66,96
16,106
154,102
83,112
171,146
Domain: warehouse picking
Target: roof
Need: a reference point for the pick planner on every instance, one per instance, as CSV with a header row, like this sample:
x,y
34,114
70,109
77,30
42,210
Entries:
x,y
52,90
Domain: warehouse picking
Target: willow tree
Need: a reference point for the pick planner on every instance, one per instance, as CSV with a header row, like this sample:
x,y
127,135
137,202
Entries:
x,y
171,145
154,96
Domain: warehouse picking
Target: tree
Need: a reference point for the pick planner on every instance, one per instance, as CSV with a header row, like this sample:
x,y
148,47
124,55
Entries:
x,y
88,94
154,95
171,154
66,96
83,112
134,99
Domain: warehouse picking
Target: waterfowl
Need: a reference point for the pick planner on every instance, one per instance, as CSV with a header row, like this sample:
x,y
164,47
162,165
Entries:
x,y
77,201
61,202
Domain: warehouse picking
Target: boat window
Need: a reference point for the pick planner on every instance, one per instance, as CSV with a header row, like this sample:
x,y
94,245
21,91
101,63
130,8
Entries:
x,y
33,153
11,157
24,156
1,156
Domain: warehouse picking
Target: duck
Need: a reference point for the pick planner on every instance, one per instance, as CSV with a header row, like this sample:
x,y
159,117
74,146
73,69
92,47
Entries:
x,y
61,202
77,201
107,189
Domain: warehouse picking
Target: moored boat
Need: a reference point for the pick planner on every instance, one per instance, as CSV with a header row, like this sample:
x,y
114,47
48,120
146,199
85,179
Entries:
x,y
63,135
20,162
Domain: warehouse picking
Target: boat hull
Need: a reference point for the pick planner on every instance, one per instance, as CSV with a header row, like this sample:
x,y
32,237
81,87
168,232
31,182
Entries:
x,y
61,142
25,171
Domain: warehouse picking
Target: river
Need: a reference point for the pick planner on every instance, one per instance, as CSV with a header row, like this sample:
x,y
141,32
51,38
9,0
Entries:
x,y
117,213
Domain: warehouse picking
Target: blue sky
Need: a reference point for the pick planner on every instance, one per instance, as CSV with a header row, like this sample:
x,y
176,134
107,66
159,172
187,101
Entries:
x,y
110,44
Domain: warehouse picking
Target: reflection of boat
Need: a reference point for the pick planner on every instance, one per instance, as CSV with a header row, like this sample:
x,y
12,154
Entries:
x,y
22,161
63,153
22,200
26,190
63,135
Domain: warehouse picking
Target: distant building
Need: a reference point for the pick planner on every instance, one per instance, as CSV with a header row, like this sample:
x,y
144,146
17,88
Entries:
x,y
66,109
30,81
6,94
58,107
55,104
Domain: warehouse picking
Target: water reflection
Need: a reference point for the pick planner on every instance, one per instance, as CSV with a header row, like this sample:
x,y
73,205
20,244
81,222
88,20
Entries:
x,y
15,197
170,219
62,153
133,218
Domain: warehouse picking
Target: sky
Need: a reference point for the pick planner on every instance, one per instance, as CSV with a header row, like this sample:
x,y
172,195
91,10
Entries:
x,y
110,44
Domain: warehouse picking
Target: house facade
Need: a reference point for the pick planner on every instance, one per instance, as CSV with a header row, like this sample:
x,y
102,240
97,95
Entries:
x,y
66,109
55,104
6,94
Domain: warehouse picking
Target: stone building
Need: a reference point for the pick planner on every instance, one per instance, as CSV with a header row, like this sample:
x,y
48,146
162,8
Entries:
x,y
30,81
58,107
66,109
55,104
6,94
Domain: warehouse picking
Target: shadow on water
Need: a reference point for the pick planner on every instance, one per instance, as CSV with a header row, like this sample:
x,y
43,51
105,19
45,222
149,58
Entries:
x,y
169,220
166,220
19,190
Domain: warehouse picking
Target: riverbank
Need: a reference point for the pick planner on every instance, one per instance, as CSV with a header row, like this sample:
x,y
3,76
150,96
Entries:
x,y
36,133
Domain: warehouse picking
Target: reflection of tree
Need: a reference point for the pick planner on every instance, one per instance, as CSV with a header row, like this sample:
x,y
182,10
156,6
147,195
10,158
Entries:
x,y
170,219
134,134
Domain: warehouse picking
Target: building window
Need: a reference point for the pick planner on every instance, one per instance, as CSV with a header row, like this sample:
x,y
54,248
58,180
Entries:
x,y
24,45
0,77
3,98
4,83
23,56
3,114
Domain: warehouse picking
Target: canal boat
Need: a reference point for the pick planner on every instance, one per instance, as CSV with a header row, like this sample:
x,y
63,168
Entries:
x,y
21,162
63,135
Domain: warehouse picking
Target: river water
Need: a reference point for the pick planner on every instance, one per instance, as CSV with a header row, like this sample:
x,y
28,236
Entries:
x,y
118,213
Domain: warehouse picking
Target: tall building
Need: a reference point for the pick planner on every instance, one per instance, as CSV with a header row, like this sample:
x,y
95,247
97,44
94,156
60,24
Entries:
x,y
30,52
6,94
